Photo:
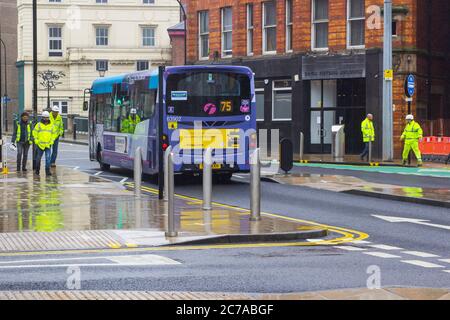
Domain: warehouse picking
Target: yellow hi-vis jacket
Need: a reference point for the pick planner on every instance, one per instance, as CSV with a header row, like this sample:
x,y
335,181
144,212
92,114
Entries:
x,y
19,132
58,123
368,131
44,135
412,131
129,125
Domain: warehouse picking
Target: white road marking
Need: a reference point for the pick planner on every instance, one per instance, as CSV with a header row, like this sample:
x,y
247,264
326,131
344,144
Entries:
x,y
416,221
384,247
349,248
361,242
76,168
421,254
424,264
314,240
445,260
123,180
98,173
448,271
381,254
130,260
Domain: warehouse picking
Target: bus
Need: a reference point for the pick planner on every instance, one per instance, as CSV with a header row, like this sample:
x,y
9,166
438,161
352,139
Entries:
x,y
204,107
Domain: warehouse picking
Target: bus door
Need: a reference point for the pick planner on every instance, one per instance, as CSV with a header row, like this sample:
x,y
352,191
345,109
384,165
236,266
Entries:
x,y
92,129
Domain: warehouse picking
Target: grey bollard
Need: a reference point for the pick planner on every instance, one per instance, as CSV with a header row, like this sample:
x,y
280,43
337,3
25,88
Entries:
x,y
166,173
207,179
255,186
370,151
137,171
302,145
171,232
74,131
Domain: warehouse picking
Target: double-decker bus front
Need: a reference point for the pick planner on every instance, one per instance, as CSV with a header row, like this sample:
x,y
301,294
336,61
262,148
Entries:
x,y
210,107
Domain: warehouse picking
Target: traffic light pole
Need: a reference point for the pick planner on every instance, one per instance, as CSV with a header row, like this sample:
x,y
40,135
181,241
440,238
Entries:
x,y
160,132
34,76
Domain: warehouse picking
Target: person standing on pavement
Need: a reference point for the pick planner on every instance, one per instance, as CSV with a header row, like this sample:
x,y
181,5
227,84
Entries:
x,y
412,134
22,139
56,120
368,134
44,134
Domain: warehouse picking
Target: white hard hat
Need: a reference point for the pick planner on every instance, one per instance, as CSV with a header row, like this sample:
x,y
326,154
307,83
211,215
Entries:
x,y
133,111
45,114
409,117
55,108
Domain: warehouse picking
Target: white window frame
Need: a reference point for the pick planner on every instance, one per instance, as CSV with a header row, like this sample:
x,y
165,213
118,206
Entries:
x,y
143,28
264,27
148,3
250,28
349,19
226,54
313,26
59,51
101,1
107,36
200,34
289,26
258,90
101,60
273,98
142,61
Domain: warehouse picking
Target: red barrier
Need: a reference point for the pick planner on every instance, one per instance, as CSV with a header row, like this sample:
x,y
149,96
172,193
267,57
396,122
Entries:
x,y
435,146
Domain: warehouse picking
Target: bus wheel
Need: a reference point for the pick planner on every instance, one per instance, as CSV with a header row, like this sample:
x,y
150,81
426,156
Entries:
x,y
224,177
103,166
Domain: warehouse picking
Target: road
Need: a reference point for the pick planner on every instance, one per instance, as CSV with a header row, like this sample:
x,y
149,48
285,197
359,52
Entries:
x,y
410,253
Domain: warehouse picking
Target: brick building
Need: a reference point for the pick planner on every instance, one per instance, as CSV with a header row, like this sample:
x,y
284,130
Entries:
x,y
319,62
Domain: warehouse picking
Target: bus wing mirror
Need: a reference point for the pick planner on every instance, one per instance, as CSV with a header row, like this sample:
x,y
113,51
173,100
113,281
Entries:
x,y
85,105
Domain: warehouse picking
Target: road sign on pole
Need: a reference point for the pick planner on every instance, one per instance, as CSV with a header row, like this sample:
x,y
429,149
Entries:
x,y
410,85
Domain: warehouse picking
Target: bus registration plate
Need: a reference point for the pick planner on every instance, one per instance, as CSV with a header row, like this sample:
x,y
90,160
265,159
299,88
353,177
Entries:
x,y
214,166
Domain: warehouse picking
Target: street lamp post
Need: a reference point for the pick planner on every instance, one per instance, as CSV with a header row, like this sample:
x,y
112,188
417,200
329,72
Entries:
x,y
387,83
5,101
185,30
34,8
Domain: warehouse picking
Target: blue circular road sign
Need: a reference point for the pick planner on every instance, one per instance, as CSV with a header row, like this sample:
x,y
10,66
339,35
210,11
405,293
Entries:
x,y
410,85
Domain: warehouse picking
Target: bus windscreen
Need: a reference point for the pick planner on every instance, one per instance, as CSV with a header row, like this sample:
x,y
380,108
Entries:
x,y
208,94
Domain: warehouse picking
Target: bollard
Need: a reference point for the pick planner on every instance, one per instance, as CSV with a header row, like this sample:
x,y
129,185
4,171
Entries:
x,y
207,179
74,131
137,172
166,173
370,151
170,206
255,186
302,140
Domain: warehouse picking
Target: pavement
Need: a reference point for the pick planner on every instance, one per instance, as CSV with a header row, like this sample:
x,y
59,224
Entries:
x,y
346,294
73,210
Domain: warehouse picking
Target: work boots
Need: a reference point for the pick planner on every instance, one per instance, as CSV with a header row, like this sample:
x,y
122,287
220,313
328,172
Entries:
x,y
48,173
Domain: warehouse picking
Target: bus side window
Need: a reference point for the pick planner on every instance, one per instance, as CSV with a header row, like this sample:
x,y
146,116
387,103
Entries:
x,y
147,101
100,106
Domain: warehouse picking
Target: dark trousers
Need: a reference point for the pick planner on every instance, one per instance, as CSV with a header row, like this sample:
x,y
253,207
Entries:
x,y
39,153
54,150
22,155
365,152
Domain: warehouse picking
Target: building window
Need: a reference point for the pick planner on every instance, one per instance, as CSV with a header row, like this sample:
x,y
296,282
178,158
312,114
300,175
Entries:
x,y
269,27
101,1
142,65
227,32
289,25
101,65
203,34
55,41
282,100
394,28
54,0
355,24
148,1
259,94
250,27
320,24
148,37
101,36
62,105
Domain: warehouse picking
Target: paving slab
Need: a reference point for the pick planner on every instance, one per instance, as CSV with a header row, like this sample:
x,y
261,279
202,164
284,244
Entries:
x,y
74,210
